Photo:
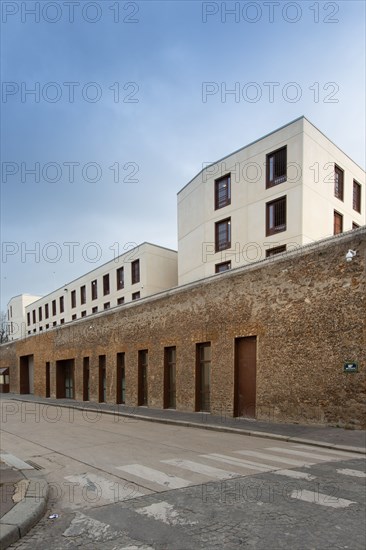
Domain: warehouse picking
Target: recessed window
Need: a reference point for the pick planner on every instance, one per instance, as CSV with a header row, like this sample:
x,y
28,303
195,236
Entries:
x,y
83,294
34,315
62,304
62,321
224,266
40,329
73,316
356,196
120,278
276,216
222,235
135,272
275,250
120,301
83,313
95,309
276,167
355,225
338,182
203,377
136,296
46,311
73,298
28,319
107,305
222,191
94,290
106,284
53,307
47,326
40,314
338,223
54,323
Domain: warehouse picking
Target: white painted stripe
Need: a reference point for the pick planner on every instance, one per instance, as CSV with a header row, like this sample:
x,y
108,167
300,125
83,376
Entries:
x,y
339,452
321,498
239,462
111,491
294,474
155,476
302,453
273,458
15,462
354,473
200,468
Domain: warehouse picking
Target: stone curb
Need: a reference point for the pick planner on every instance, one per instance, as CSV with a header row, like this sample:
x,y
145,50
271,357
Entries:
x,y
26,513
224,429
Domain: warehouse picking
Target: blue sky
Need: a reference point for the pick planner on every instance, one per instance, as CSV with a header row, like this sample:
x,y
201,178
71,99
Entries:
x,y
139,103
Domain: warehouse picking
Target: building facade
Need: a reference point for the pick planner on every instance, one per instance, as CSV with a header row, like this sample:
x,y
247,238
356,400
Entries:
x,y
16,315
285,190
140,272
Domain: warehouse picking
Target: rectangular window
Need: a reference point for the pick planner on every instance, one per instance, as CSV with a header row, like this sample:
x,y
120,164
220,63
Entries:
x,y
222,191
107,305
203,377
276,216
355,225
95,309
62,321
83,313
222,235
28,319
276,167
224,266
120,301
338,223
276,250
40,314
47,326
356,196
73,317
169,378
143,362
54,323
34,315
120,278
83,294
136,296
73,298
135,272
106,284
338,182
94,290
54,311
46,311
62,305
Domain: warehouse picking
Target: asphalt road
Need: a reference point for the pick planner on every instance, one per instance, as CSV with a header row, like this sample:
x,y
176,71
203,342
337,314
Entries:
x,y
119,483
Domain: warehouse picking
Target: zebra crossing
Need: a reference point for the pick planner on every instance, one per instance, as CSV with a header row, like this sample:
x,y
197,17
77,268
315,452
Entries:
x,y
176,473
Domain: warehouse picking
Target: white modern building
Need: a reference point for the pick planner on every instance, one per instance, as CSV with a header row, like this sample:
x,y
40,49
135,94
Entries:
x,y
140,272
287,189
17,314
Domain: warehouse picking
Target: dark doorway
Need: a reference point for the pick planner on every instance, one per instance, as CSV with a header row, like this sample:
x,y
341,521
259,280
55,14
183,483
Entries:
x,y
26,374
169,378
65,379
48,380
203,377
121,379
142,378
245,376
86,379
102,379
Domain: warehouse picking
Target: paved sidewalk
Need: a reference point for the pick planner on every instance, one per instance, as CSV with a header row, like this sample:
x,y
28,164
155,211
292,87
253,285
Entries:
x,y
23,499
331,437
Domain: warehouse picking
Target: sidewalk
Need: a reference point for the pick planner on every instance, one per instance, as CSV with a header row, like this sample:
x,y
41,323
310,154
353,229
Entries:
x,y
330,437
23,499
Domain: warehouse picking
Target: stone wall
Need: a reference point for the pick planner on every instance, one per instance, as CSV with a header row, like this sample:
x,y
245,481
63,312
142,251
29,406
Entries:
x,y
307,309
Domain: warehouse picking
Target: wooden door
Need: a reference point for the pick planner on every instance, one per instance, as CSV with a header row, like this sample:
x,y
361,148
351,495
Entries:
x,y
245,376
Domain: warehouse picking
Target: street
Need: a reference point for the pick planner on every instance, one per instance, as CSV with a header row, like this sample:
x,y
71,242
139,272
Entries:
x,y
120,483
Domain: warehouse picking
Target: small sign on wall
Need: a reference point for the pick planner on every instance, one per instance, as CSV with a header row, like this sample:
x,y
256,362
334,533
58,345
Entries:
x,y
350,366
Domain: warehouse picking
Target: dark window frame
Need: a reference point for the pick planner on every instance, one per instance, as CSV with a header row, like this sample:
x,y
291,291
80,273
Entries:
x,y
94,289
136,296
83,294
135,272
276,170
222,198
280,212
120,278
337,216
275,250
106,285
356,196
46,311
73,298
62,304
338,182
223,244
54,308
222,267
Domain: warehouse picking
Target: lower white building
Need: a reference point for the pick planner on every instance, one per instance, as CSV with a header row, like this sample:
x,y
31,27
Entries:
x,y
142,271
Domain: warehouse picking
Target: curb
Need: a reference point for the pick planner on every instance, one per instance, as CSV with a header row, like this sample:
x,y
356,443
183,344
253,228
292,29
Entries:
x,y
26,513
213,427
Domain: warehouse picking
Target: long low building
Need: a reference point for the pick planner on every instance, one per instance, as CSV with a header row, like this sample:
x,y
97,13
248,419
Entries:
x,y
280,339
